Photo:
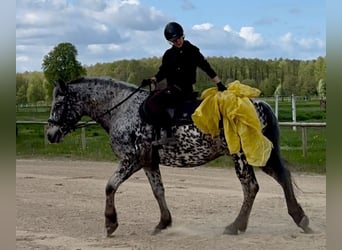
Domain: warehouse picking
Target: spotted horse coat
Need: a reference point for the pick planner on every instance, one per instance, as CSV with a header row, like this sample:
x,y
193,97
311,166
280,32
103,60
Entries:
x,y
104,100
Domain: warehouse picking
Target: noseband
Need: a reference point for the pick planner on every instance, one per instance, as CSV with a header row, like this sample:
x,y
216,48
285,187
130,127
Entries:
x,y
64,128
65,125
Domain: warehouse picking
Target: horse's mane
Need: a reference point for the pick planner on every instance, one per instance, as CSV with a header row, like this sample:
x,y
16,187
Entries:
x,y
103,80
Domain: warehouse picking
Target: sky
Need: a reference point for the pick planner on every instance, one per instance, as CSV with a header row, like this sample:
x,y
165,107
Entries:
x,y
111,30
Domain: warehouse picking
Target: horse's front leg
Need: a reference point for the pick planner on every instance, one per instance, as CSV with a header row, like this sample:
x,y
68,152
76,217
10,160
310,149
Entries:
x,y
250,188
125,169
154,177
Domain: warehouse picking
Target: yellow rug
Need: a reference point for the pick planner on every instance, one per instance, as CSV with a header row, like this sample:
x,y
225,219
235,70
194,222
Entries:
x,y
242,128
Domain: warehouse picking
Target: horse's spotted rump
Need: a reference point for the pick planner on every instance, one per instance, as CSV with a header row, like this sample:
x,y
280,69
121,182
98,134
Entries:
x,y
259,107
193,148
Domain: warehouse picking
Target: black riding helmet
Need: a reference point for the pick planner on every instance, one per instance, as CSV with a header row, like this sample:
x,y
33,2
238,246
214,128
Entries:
x,y
173,31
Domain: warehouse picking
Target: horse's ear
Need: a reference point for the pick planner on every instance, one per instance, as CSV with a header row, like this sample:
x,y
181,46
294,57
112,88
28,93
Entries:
x,y
62,85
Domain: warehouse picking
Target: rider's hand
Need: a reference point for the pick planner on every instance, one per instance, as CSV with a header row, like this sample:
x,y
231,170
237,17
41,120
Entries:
x,y
221,87
152,82
146,82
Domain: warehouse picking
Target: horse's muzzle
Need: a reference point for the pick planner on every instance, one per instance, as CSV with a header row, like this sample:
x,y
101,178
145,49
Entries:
x,y
54,134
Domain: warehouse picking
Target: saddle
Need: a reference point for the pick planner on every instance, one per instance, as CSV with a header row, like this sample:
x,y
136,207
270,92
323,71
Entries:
x,y
164,116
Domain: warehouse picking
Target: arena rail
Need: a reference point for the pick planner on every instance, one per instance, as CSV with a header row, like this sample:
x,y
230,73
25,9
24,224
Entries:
x,y
302,125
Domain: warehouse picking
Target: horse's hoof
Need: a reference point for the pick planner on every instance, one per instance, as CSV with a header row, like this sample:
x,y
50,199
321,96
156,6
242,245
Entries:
x,y
156,231
308,230
231,229
304,224
110,228
161,226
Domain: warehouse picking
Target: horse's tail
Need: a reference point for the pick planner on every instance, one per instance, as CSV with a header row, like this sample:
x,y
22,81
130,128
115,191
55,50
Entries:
x,y
271,131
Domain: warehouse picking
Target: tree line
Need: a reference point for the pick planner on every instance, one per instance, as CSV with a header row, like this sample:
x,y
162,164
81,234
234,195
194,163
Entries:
x,y
277,76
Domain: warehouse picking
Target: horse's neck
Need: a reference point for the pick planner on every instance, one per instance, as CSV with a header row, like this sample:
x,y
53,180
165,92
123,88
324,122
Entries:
x,y
99,101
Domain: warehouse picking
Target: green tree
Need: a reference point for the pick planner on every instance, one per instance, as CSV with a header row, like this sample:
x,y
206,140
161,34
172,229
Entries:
x,y
322,88
35,90
61,63
295,76
48,90
289,85
320,69
21,88
307,83
279,90
250,82
268,87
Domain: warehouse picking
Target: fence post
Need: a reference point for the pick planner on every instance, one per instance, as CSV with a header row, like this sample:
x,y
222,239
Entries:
x,y
46,141
276,105
304,141
294,119
83,138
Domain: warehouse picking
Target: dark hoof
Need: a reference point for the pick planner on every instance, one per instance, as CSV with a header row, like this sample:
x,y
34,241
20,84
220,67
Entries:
x,y
308,230
161,226
110,228
156,231
304,224
231,230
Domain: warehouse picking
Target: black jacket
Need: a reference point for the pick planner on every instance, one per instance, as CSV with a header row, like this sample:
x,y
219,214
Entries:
x,y
179,66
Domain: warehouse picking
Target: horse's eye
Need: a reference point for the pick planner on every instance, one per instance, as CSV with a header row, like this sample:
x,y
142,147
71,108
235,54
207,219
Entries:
x,y
58,104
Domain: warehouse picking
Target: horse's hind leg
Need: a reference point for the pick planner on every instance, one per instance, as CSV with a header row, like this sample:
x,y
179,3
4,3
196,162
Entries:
x,y
282,175
250,188
125,169
154,177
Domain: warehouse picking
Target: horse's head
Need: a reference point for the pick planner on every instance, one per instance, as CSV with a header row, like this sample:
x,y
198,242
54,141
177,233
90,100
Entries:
x,y
66,111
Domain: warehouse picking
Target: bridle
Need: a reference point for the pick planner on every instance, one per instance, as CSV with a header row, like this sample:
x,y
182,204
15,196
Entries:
x,y
87,123
64,125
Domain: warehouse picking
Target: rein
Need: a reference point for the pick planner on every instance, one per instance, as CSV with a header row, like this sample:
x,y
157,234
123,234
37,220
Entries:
x,y
87,123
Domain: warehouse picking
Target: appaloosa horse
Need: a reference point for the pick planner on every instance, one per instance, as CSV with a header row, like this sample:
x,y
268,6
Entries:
x,y
104,100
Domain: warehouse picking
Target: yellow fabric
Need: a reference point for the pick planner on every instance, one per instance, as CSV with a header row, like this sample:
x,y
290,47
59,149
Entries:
x,y
242,128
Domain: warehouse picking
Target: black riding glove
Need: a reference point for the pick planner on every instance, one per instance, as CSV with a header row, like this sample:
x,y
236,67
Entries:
x,y
221,87
146,82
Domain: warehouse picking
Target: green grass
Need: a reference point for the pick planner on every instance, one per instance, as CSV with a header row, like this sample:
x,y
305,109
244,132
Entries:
x,y
291,149
30,141
292,152
32,116
305,111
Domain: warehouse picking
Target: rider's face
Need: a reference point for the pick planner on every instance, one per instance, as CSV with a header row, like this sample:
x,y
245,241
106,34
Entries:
x,y
178,42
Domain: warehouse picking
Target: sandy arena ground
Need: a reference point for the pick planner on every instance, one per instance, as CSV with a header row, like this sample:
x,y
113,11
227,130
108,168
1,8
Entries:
x,y
60,205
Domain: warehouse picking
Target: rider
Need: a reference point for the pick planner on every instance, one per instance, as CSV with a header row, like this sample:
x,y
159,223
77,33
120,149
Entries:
x,y
179,65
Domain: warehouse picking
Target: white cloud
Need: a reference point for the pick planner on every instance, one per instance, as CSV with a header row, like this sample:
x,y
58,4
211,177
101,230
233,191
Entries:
x,y
311,43
111,30
95,48
31,18
131,2
101,27
22,59
251,38
203,26
291,44
113,47
286,38
227,28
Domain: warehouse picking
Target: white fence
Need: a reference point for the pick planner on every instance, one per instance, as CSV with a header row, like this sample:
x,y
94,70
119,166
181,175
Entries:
x,y
302,125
